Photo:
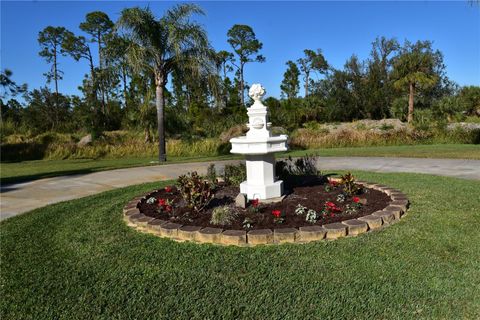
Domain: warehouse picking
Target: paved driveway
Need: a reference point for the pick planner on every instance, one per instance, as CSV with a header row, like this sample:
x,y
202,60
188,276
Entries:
x,y
22,197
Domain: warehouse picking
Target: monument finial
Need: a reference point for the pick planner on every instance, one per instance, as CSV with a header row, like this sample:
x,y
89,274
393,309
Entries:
x,y
256,92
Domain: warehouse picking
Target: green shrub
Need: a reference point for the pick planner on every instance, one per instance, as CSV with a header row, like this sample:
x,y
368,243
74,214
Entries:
x,y
223,216
303,166
234,174
212,174
196,192
349,186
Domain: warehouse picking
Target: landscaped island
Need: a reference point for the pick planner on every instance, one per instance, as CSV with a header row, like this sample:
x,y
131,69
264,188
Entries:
x,y
314,207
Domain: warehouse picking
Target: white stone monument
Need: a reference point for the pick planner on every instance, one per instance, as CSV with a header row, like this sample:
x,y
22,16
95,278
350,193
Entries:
x,y
259,147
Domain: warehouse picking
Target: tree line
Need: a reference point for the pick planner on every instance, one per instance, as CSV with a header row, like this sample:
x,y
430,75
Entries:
x,y
162,74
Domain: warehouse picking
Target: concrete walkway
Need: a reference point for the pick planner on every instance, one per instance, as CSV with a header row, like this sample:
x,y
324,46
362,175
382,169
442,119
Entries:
x,y
22,197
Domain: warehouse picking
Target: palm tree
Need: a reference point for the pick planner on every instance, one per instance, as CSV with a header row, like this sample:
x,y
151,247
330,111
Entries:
x,y
163,45
418,67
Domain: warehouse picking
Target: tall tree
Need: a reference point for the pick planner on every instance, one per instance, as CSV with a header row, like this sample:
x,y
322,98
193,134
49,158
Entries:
x,y
290,83
98,25
10,87
160,46
51,40
417,67
78,48
246,45
224,60
116,56
313,61
378,79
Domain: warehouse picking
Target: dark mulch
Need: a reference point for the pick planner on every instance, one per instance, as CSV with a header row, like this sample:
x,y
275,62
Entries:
x,y
311,195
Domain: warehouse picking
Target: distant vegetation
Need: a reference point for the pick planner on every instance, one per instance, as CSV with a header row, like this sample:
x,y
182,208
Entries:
x,y
136,92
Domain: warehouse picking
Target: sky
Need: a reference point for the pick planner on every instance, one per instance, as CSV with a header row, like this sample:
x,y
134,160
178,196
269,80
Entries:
x,y
339,29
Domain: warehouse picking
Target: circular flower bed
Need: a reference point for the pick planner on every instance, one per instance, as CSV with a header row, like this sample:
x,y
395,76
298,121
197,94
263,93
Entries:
x,y
314,208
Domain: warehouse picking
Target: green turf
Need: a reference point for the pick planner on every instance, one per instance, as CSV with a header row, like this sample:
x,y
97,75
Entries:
x,y
78,260
31,170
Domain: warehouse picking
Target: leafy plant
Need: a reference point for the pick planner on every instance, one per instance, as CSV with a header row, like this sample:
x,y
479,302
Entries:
x,y
151,200
277,216
247,224
312,216
331,185
303,166
223,216
348,184
212,174
341,198
254,205
234,174
196,192
299,210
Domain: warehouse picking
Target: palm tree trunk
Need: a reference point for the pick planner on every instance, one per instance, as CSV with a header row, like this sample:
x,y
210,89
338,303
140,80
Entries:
x,y
410,103
160,104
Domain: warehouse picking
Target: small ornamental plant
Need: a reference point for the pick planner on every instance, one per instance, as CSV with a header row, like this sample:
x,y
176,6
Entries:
x,y
300,210
341,198
277,216
254,205
349,185
331,185
196,192
353,207
247,223
151,200
223,216
165,205
312,216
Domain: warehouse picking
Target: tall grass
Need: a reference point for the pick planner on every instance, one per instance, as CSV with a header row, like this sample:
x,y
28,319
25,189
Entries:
x,y
321,138
117,144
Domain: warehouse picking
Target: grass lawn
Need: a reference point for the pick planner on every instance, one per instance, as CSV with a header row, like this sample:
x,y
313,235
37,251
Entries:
x,y
31,170
78,260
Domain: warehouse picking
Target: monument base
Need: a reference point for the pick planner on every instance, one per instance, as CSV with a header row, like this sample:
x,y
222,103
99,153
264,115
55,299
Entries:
x,y
262,192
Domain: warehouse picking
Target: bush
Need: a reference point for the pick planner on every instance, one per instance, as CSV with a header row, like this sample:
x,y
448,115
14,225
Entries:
x,y
349,186
223,216
304,166
234,174
196,192
212,174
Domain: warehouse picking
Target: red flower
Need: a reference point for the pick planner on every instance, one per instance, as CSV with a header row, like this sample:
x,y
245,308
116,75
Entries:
x,y
276,213
168,208
330,204
332,207
356,199
332,214
168,189
255,202
162,202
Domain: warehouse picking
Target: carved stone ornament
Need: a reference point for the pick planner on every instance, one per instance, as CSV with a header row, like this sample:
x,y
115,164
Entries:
x,y
256,92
